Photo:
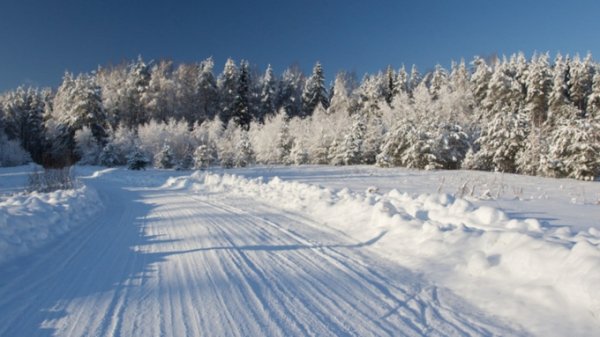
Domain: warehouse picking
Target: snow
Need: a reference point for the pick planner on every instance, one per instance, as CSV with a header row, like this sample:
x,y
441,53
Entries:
x,y
31,220
311,250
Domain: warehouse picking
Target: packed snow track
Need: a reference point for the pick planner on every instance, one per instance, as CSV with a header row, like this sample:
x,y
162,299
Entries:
x,y
168,262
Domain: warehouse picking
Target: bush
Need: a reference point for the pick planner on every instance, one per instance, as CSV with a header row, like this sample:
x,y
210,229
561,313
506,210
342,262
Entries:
x,y
137,160
50,180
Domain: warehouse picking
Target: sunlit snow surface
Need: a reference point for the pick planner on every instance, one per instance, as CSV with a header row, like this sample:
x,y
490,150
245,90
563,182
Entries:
x,y
281,251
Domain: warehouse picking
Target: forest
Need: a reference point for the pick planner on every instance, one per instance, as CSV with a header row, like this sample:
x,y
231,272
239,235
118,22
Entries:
x,y
534,116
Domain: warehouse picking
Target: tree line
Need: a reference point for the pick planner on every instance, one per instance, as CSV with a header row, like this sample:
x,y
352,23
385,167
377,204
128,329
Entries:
x,y
512,114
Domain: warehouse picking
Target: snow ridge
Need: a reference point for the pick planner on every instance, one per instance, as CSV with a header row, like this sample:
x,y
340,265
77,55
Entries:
x,y
31,220
478,252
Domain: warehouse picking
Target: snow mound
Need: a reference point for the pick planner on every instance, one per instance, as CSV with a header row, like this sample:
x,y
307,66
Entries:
x,y
30,220
447,238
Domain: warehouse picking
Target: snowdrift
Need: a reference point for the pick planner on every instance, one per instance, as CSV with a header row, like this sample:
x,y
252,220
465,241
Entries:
x,y
480,252
30,220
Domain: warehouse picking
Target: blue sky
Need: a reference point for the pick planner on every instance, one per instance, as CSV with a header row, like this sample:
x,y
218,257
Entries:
x,y
40,39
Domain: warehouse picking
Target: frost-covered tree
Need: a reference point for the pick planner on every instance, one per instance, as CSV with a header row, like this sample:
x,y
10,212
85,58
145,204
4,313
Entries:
x,y
580,81
227,84
137,160
479,79
11,152
593,103
109,156
134,92
501,141
340,100
439,82
241,104
415,79
349,151
87,147
289,95
187,93
314,92
389,87
203,157
268,94
244,152
208,94
558,98
164,159
538,87
160,97
22,117
575,150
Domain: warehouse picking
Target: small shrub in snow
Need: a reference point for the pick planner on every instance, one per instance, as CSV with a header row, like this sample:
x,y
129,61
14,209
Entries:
x,y
137,160
164,159
108,156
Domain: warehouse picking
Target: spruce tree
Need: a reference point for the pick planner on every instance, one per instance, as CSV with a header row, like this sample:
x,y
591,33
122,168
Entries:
x,y
314,92
241,105
227,83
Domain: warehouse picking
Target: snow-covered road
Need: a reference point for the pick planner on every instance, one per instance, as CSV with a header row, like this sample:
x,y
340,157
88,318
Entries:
x,y
167,262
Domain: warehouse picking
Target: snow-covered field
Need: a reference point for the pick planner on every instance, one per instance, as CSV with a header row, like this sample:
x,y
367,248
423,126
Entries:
x,y
280,251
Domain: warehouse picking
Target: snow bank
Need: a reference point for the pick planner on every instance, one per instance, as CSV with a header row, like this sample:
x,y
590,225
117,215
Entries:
x,y
479,252
30,220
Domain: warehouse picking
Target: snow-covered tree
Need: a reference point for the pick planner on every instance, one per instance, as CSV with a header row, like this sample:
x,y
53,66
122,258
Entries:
x,y
580,81
160,97
241,104
164,159
208,94
538,87
203,157
575,150
289,95
501,141
480,78
87,147
109,156
593,103
137,160
314,92
268,94
227,84
349,151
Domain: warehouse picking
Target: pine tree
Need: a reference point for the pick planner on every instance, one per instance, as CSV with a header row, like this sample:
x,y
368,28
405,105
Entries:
x,y
538,87
227,84
349,150
593,103
208,94
136,87
439,82
244,153
501,141
267,94
389,89
575,150
479,79
558,99
315,92
415,79
580,82
289,96
241,104
109,157
137,160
